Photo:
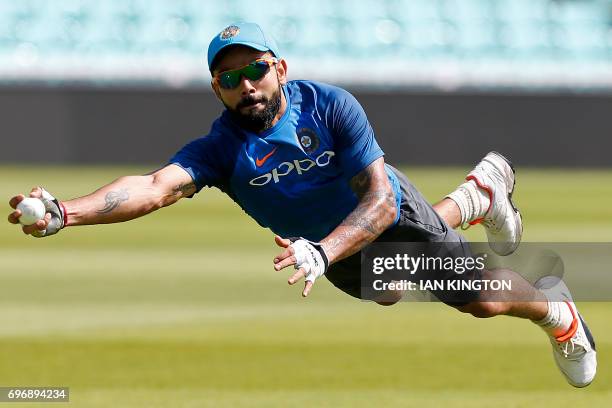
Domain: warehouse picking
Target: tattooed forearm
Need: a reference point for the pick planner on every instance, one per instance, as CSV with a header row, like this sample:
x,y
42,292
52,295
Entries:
x,y
362,226
367,215
113,200
374,213
184,189
374,198
360,219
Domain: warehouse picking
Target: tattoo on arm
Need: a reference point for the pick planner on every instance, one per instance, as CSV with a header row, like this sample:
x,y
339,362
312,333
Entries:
x,y
113,200
369,219
361,185
183,189
361,182
361,218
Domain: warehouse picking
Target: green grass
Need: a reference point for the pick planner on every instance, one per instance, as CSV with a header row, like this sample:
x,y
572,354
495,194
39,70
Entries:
x,y
182,309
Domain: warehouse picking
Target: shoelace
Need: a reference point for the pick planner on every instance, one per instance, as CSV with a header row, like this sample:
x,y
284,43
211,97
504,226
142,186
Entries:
x,y
573,345
488,223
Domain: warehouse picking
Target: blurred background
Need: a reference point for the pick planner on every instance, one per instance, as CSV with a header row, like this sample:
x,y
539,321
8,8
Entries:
x,y
105,78
182,308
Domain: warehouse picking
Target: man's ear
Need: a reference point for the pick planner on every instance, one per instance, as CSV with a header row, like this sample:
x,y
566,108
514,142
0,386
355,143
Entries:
x,y
281,71
215,88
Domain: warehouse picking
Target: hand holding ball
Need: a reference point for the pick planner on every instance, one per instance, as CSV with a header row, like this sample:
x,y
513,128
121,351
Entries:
x,y
41,214
32,210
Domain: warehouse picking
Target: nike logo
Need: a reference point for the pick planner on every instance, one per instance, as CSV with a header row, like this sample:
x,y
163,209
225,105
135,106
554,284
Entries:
x,y
260,162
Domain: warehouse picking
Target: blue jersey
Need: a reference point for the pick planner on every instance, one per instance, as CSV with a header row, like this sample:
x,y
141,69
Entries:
x,y
294,177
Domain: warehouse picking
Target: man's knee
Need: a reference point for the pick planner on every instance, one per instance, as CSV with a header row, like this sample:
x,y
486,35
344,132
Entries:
x,y
383,303
483,309
389,297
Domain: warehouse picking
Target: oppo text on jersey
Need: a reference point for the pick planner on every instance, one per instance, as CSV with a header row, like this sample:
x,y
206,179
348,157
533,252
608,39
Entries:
x,y
285,168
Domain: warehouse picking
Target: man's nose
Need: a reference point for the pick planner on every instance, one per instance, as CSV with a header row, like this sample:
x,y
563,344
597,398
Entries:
x,y
246,87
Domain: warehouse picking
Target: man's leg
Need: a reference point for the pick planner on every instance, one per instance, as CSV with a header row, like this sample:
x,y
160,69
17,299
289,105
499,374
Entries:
x,y
449,211
550,306
486,198
524,301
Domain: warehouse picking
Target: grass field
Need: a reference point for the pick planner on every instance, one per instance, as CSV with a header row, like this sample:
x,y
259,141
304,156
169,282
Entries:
x,y
182,309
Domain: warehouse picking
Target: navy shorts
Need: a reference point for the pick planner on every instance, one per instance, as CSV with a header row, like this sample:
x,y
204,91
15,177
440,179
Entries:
x,y
418,222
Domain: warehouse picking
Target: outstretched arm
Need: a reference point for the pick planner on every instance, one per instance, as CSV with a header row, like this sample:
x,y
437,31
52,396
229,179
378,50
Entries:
x,y
130,197
124,199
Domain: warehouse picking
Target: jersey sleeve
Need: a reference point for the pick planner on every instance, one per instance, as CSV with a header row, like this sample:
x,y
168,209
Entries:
x,y
201,159
356,145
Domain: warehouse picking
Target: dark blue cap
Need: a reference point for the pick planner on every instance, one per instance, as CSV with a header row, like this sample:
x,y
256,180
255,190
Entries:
x,y
247,34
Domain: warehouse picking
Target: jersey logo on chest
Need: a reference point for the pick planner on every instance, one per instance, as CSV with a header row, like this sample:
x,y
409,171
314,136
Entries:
x,y
308,140
288,167
260,162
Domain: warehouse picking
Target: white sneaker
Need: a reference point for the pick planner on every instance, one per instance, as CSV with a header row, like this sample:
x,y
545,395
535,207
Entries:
x,y
502,220
574,352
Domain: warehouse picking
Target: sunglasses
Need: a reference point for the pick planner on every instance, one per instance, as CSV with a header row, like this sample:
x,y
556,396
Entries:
x,y
253,71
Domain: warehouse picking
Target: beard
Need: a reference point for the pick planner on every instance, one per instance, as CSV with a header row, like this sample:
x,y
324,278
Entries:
x,y
257,120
